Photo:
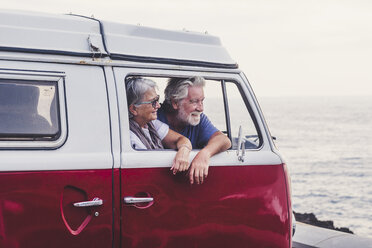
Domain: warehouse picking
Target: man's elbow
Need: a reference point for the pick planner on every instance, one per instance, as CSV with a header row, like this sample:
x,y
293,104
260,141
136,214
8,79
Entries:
x,y
226,143
220,142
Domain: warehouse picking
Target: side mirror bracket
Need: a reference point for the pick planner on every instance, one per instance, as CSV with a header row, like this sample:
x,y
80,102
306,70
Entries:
x,y
240,152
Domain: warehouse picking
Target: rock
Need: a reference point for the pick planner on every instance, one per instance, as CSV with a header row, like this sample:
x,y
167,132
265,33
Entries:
x,y
310,218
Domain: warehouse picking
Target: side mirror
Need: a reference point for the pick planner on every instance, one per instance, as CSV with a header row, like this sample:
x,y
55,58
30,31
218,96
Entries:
x,y
240,137
241,145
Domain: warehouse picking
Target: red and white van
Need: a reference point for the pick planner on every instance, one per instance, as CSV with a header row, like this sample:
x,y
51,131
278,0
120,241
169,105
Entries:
x,y
68,175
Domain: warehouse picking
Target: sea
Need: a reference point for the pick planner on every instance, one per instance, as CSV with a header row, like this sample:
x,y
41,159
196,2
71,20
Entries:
x,y
327,144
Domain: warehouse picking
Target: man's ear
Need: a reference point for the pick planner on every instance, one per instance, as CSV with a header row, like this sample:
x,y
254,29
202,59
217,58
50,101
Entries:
x,y
174,104
133,110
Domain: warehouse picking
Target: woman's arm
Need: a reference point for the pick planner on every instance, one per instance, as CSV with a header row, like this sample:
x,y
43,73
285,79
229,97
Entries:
x,y
177,141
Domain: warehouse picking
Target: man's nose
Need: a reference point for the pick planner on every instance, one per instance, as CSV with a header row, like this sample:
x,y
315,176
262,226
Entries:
x,y
199,106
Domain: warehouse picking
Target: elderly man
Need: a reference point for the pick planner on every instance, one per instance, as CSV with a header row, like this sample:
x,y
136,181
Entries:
x,y
182,110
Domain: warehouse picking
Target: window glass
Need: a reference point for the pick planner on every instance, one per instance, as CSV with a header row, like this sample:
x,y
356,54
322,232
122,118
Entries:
x,y
240,117
213,104
28,110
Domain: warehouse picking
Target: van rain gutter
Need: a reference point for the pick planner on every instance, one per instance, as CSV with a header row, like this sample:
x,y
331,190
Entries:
x,y
55,52
171,61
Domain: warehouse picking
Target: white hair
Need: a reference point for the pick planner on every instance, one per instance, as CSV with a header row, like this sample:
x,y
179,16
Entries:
x,y
136,89
178,88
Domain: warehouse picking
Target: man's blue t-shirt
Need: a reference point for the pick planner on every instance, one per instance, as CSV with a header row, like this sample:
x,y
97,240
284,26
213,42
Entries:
x,y
199,135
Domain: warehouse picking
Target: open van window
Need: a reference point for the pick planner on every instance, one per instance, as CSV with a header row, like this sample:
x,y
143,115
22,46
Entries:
x,y
225,106
28,110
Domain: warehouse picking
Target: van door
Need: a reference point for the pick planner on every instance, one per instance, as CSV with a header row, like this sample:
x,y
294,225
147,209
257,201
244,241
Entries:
x,y
55,153
242,203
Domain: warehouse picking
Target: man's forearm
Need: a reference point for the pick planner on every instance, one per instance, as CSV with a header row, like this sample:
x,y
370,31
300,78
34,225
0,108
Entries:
x,y
217,143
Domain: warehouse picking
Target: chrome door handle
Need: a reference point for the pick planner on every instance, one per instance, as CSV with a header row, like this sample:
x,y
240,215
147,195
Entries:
x,y
134,200
95,202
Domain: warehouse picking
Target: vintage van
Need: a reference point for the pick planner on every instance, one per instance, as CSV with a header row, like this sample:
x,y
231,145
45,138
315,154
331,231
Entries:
x,y
68,174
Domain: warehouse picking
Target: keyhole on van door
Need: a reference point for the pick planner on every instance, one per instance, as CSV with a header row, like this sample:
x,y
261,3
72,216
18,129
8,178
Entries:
x,y
75,218
140,200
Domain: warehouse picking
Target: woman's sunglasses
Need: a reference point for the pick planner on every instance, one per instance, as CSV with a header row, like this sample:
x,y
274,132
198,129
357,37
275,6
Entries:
x,y
153,102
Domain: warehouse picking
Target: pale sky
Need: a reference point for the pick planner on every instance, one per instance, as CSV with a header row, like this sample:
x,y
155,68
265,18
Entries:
x,y
287,47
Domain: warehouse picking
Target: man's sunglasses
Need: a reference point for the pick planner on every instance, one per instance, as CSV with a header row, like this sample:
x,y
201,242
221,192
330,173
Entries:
x,y
153,102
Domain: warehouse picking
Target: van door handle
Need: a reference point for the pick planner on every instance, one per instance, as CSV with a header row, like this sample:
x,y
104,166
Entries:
x,y
95,202
135,200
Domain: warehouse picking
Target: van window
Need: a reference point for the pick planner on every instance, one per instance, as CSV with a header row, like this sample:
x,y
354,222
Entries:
x,y
29,110
240,118
214,106
226,108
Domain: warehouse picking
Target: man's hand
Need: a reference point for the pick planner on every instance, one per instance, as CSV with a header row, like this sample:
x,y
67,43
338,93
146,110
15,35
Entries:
x,y
199,167
181,161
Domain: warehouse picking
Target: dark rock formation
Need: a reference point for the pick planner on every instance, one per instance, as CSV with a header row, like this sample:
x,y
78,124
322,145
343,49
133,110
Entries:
x,y
309,218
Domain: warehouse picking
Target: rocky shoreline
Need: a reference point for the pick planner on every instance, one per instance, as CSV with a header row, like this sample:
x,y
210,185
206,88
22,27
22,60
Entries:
x,y
310,218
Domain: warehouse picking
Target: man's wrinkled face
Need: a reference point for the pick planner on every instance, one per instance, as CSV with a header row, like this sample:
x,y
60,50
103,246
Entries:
x,y
191,107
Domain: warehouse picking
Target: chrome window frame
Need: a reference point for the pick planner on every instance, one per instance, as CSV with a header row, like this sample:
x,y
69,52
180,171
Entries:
x,y
34,76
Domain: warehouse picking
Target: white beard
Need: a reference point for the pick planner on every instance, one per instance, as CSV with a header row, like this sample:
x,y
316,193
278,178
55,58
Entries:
x,y
193,118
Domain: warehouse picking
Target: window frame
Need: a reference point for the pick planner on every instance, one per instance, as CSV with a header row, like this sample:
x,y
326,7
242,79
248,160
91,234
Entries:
x,y
248,107
34,77
222,81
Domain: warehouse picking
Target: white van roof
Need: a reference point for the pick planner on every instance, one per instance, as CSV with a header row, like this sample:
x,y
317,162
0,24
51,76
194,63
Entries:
x,y
88,37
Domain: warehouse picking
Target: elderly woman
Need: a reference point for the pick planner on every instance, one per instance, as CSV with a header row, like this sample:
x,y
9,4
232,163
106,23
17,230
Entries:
x,y
146,132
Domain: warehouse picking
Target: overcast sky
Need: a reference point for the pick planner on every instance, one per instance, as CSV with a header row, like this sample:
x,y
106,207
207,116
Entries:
x,y
287,47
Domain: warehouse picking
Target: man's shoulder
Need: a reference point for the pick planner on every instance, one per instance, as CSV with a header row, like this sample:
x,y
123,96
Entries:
x,y
207,126
203,116
204,120
204,125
